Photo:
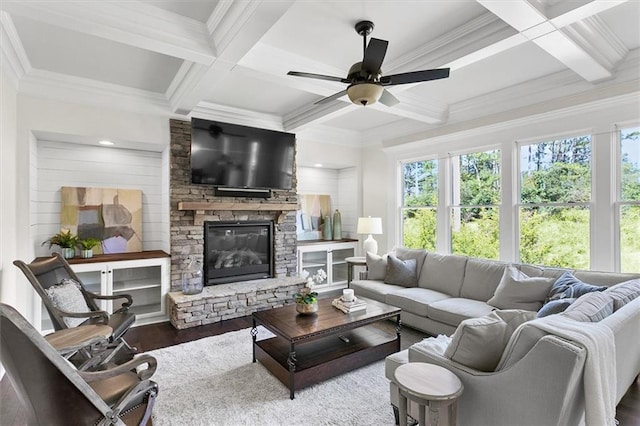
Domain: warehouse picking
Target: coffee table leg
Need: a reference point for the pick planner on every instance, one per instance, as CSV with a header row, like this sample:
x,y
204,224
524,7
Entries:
x,y
291,361
254,334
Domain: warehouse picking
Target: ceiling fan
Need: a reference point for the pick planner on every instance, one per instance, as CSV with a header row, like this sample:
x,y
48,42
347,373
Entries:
x,y
365,79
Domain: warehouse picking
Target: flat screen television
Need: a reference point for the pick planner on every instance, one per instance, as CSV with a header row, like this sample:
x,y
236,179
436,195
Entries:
x,y
236,156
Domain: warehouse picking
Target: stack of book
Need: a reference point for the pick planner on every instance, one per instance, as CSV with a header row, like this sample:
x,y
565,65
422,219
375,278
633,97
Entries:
x,y
351,306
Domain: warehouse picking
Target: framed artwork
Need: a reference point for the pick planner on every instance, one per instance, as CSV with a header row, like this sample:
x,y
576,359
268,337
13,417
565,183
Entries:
x,y
310,217
114,216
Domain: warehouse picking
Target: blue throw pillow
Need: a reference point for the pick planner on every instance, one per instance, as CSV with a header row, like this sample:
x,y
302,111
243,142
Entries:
x,y
554,307
568,286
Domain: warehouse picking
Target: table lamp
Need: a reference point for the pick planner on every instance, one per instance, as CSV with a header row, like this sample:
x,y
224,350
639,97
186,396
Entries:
x,y
370,225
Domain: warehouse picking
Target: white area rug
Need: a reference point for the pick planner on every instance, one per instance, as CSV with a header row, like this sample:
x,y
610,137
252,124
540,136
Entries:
x,y
212,381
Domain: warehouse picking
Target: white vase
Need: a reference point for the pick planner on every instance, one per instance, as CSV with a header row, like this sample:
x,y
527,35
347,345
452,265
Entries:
x,y
68,252
86,254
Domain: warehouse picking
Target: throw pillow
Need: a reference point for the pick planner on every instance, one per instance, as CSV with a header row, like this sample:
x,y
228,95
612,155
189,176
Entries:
x,y
68,297
479,342
624,293
376,266
555,307
401,272
568,286
418,254
519,291
591,307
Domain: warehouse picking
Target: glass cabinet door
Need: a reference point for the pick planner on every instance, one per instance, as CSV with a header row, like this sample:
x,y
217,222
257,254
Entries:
x,y
339,265
313,262
143,284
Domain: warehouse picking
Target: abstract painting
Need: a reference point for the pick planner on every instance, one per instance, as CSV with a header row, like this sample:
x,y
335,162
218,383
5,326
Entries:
x,y
310,217
114,216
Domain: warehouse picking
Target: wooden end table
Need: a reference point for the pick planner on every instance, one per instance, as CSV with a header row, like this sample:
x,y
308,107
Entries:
x,y
308,349
428,385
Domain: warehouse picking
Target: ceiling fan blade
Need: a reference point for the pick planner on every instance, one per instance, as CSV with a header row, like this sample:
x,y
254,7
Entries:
x,y
318,76
415,76
388,99
374,55
332,97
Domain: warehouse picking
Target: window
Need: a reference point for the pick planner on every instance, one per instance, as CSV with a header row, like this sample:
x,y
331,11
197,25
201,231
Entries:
x,y
554,209
419,204
629,205
475,204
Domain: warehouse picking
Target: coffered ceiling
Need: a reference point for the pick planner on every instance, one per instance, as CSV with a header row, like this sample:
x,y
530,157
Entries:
x,y
229,59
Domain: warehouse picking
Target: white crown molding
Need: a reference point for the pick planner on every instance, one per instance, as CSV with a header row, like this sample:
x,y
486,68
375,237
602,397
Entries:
x,y
227,20
65,88
316,114
594,100
480,32
133,23
416,108
596,38
184,85
14,58
217,112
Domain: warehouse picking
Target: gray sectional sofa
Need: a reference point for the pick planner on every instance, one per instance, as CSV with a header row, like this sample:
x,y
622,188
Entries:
x,y
451,288
540,365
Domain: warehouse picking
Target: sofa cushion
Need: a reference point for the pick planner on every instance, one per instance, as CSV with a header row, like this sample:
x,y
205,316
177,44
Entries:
x,y
418,254
519,291
540,271
376,290
568,286
414,300
401,272
376,266
443,273
479,342
522,340
604,278
592,307
555,307
454,310
624,293
481,277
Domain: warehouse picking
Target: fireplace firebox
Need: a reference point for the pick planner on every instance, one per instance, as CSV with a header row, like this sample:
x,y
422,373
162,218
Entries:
x,y
237,251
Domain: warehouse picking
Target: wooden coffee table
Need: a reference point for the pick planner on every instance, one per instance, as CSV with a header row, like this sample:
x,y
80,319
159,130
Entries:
x,y
308,349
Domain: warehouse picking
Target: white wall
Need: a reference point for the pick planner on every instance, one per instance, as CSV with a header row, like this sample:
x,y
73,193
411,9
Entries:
x,y
376,198
597,118
8,212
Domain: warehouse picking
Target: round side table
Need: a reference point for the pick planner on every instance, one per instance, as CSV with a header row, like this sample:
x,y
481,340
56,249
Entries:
x,y
428,385
351,262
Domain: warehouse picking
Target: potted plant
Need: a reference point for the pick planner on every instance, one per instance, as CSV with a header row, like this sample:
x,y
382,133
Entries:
x,y
307,299
87,245
65,240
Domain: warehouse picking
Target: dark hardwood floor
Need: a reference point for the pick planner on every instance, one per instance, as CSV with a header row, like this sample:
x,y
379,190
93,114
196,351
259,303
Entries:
x,y
155,336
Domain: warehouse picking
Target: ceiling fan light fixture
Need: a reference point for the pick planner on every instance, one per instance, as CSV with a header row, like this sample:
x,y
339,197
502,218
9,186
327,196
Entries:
x,y
364,93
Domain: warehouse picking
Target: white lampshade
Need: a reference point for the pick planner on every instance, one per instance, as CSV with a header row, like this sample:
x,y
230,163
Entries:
x,y
370,225
364,93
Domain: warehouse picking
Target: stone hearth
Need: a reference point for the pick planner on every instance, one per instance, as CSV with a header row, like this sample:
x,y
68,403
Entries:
x,y
227,301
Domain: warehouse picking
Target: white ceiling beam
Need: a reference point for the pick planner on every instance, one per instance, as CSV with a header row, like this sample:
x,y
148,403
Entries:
x,y
13,58
132,23
237,27
316,114
572,48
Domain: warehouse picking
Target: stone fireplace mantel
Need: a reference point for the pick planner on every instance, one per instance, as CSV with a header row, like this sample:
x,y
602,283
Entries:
x,y
200,207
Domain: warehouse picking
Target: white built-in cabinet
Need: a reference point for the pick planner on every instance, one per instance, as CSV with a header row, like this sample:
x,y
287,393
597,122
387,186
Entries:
x,y
330,257
145,276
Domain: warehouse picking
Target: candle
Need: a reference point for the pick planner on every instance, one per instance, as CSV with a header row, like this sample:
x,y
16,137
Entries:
x,y
347,295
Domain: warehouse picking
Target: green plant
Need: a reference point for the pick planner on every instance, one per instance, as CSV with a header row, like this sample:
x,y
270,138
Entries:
x,y
63,239
88,243
306,296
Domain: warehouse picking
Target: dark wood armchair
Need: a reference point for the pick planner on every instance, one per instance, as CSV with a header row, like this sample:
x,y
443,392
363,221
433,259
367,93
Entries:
x,y
53,392
46,273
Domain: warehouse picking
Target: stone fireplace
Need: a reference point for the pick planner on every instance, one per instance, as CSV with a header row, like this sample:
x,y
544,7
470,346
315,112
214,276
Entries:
x,y
237,251
194,205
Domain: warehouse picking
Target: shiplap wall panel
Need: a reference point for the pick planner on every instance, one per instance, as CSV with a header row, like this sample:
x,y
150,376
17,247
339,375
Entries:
x,y
61,164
